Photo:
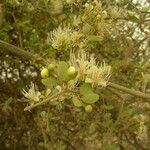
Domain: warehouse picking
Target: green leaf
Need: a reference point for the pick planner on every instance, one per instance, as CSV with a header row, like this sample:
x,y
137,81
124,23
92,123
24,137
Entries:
x,y
107,107
94,38
90,98
8,101
127,113
62,71
133,17
49,82
76,102
85,88
109,147
7,104
146,9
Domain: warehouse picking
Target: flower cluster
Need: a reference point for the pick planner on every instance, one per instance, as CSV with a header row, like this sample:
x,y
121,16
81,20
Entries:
x,y
33,94
91,11
64,38
94,19
89,69
60,37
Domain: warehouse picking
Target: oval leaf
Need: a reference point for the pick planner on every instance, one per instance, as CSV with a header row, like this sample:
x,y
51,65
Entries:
x,y
94,38
90,98
85,88
49,82
76,102
62,71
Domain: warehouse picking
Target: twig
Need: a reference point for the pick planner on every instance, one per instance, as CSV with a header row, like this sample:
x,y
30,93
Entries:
x,y
53,97
128,90
128,19
20,53
116,92
18,28
24,55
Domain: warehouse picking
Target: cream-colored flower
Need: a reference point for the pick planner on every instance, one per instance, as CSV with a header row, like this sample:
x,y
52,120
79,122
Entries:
x,y
98,75
33,94
80,63
64,38
60,37
89,69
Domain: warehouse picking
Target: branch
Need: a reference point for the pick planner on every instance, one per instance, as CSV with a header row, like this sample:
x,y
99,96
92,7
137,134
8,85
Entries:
x,y
53,97
116,92
24,55
128,90
20,53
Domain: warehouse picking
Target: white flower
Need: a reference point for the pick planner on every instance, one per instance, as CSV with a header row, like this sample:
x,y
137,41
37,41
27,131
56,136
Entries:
x,y
98,75
60,37
32,93
89,69
80,62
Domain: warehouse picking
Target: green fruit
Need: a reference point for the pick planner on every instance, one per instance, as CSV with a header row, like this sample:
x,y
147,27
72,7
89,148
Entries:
x,y
51,67
44,73
88,108
71,71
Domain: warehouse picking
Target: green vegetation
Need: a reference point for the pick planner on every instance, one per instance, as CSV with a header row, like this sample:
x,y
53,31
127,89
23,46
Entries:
x,y
75,75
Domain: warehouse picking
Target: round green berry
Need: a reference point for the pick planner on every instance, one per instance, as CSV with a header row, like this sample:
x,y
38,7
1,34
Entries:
x,y
88,108
71,71
51,67
44,73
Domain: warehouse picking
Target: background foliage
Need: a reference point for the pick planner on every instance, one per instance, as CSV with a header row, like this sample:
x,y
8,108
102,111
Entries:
x,y
114,31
